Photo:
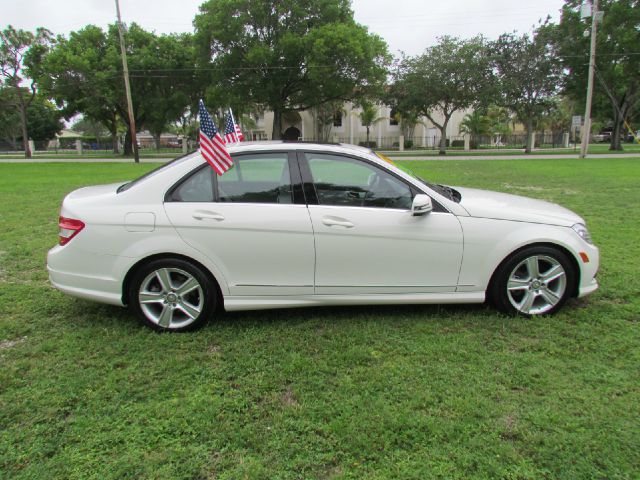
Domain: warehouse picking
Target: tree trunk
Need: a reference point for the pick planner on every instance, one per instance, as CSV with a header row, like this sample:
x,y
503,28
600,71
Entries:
x,y
128,148
25,133
156,138
367,136
527,147
443,138
114,143
276,131
618,120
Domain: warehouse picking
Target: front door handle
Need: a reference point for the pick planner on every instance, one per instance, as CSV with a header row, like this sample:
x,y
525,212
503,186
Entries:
x,y
336,222
204,215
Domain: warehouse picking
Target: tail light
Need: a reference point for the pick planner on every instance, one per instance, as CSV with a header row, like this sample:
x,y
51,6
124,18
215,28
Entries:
x,y
69,228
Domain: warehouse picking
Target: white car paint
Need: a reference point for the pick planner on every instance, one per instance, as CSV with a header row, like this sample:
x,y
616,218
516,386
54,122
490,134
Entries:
x,y
272,256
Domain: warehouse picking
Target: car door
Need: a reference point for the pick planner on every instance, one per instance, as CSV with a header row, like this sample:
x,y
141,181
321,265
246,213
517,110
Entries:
x,y
366,239
252,222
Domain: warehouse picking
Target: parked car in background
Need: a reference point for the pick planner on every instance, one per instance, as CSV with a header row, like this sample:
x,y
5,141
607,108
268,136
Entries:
x,y
295,224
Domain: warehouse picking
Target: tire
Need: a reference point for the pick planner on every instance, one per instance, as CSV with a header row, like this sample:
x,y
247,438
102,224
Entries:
x,y
172,295
533,281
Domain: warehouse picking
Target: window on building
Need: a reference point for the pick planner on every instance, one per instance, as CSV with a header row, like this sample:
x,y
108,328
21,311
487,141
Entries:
x,y
337,118
393,117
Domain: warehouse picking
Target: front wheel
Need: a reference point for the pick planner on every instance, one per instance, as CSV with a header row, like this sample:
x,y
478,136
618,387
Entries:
x,y
172,295
533,281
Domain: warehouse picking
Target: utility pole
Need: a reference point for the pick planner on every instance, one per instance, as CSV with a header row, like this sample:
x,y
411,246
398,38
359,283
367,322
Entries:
x,y
586,130
127,87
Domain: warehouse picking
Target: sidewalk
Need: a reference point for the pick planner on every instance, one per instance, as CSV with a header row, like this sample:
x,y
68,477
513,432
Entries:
x,y
399,158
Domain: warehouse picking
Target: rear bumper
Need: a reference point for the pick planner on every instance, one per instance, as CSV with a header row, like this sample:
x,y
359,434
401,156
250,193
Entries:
x,y
73,271
80,286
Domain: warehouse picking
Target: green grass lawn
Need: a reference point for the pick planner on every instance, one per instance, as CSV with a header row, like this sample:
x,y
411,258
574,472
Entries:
x,y
411,392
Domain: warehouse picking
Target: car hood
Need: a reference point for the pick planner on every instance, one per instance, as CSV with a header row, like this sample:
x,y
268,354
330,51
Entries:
x,y
503,206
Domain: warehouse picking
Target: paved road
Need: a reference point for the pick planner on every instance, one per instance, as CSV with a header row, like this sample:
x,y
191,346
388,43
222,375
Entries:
x,y
393,157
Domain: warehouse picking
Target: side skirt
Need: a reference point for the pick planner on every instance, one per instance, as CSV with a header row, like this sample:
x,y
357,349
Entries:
x,y
235,303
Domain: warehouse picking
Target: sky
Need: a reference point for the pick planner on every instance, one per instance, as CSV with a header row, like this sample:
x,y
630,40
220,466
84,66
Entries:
x,y
408,26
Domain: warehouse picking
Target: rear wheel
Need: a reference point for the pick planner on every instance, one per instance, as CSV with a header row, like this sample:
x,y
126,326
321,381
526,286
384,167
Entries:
x,y
533,281
172,295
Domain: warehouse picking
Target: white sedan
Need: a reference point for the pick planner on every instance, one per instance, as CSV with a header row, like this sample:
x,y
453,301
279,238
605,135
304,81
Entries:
x,y
295,224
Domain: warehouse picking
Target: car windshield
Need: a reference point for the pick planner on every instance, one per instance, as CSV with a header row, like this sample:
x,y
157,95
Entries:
x,y
126,186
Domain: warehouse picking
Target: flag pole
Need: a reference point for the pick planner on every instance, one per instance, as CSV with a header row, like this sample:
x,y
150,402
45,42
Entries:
x,y
233,121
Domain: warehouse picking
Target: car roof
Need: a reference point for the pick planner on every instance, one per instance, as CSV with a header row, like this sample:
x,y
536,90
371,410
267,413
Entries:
x,y
291,145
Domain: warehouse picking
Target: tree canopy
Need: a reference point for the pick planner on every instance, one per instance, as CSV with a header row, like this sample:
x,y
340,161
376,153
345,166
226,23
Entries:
x,y
20,58
453,75
289,55
528,76
616,86
83,73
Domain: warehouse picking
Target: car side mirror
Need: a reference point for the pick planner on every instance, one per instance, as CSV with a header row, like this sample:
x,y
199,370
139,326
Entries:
x,y
421,205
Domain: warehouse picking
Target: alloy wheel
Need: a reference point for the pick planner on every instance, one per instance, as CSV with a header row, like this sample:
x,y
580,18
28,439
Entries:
x,y
171,298
536,285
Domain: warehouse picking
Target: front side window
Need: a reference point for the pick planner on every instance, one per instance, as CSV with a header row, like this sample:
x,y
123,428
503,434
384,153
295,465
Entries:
x,y
257,178
343,181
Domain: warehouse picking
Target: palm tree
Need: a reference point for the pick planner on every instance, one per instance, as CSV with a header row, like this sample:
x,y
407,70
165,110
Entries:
x,y
368,116
475,124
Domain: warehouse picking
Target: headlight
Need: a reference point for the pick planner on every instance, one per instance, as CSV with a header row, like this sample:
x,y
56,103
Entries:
x,y
581,230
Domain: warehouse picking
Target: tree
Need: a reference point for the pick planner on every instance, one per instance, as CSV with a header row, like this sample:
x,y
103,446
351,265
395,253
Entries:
x,y
20,55
528,76
325,116
10,125
368,116
450,76
84,74
171,91
616,86
80,74
289,55
476,124
43,119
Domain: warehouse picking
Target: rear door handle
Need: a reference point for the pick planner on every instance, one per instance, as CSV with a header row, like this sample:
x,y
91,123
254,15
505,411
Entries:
x,y
337,222
203,215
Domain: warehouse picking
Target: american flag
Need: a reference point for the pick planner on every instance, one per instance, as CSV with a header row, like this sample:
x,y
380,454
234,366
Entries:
x,y
212,146
230,135
232,132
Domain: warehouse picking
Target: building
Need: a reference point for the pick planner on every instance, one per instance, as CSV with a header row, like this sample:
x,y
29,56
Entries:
x,y
347,128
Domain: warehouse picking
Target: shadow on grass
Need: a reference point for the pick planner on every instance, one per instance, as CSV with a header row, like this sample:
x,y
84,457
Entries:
x,y
472,314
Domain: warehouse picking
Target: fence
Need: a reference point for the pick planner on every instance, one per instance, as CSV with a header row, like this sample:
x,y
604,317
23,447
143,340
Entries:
x,y
69,146
476,142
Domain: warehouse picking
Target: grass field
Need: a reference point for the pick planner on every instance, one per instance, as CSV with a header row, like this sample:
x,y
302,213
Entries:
x,y
411,392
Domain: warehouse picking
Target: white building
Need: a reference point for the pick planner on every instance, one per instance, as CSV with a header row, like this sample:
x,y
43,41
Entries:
x,y
347,128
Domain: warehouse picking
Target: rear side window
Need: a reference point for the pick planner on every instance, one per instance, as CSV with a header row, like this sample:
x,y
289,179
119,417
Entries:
x,y
258,178
197,187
